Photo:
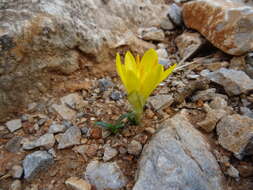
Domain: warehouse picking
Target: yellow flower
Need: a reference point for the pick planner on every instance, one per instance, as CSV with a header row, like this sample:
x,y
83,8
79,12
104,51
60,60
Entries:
x,y
141,77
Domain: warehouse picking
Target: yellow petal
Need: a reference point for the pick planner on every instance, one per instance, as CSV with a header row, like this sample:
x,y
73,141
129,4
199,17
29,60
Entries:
x,y
151,81
147,61
130,63
132,81
120,69
167,72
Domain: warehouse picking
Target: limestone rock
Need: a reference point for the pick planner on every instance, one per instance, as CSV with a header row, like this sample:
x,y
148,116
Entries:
x,y
77,184
71,137
109,175
213,116
13,125
74,101
109,153
36,162
152,33
235,134
64,111
234,82
178,157
160,101
246,111
175,14
46,141
16,171
14,144
16,185
56,128
188,44
227,25
205,95
134,148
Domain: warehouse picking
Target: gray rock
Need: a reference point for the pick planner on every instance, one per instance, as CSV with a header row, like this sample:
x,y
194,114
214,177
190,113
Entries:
x,y
16,171
14,144
152,33
235,133
218,103
205,95
14,125
249,58
116,95
246,111
213,116
52,152
175,14
71,137
104,84
165,62
160,101
232,172
109,153
56,128
36,162
109,175
74,101
249,70
178,157
77,184
46,141
64,111
166,24
42,121
189,43
234,82
16,185
134,147
162,53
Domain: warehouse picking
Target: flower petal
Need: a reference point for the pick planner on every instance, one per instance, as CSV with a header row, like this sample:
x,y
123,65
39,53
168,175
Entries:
x,y
120,69
132,81
151,81
130,63
147,62
167,72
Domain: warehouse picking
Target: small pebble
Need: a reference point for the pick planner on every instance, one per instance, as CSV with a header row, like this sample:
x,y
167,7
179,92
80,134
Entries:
x,y
134,148
17,171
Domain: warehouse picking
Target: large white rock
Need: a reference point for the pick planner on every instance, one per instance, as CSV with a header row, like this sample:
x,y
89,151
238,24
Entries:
x,y
178,157
228,25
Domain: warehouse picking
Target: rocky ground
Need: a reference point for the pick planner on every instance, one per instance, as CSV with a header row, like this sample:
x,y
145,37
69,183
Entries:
x,y
197,128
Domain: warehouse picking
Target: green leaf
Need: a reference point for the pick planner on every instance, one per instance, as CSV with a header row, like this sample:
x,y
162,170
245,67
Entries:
x,y
104,124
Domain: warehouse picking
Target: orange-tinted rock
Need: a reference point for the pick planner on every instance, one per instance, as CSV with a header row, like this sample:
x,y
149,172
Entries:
x,y
226,24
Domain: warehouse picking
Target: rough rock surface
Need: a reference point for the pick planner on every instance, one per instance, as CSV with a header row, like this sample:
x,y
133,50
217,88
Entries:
x,y
189,43
77,184
212,118
160,101
234,82
46,141
14,125
38,38
227,25
235,134
71,137
105,175
178,157
35,162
